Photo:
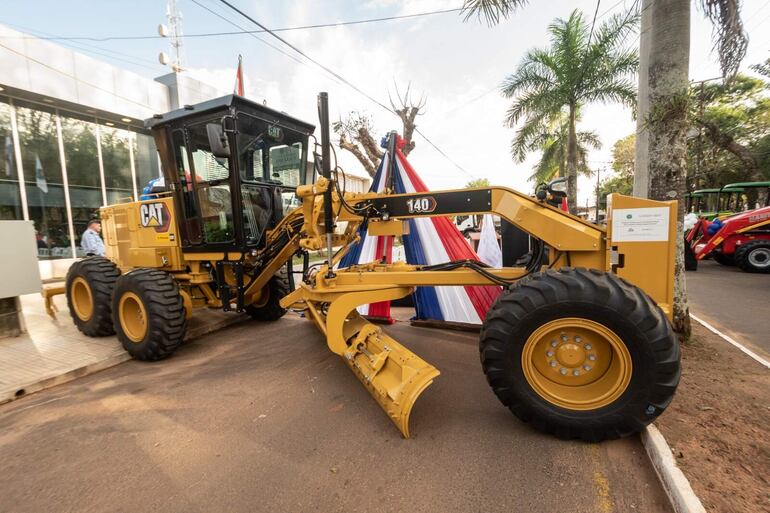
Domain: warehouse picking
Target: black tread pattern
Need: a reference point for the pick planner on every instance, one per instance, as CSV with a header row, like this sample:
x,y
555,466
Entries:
x,y
278,287
165,313
101,275
604,298
723,258
741,256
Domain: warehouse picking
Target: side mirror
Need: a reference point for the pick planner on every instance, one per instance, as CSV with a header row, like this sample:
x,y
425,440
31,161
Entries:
x,y
558,188
217,140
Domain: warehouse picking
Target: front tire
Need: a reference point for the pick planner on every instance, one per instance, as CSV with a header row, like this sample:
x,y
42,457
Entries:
x,y
754,256
148,314
580,354
89,287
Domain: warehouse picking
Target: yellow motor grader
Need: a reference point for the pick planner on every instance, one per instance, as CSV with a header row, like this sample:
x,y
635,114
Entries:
x,y
578,343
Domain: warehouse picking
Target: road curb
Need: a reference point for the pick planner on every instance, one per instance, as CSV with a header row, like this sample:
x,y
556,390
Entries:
x,y
677,487
36,386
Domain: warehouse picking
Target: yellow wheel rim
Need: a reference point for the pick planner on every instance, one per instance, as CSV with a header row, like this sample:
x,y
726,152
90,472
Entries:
x,y
82,299
576,363
133,317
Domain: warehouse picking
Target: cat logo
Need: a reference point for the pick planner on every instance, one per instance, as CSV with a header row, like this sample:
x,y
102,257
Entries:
x,y
154,215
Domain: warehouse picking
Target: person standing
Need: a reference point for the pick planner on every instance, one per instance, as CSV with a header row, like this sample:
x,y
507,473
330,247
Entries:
x,y
91,241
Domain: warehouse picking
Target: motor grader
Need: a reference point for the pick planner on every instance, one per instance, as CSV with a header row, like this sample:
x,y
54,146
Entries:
x,y
578,343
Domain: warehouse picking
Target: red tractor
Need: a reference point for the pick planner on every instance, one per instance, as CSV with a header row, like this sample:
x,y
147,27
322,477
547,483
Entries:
x,y
742,239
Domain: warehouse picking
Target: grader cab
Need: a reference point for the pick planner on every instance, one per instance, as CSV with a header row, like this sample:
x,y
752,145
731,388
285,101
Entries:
x,y
578,343
218,236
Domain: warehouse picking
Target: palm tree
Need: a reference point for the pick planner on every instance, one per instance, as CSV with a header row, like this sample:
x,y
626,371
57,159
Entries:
x,y
578,68
552,138
668,50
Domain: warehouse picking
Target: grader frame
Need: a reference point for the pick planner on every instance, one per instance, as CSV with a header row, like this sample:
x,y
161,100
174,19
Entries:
x,y
578,342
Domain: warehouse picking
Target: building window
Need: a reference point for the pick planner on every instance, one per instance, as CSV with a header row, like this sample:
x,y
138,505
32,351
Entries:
x,y
146,160
43,182
82,163
10,198
117,164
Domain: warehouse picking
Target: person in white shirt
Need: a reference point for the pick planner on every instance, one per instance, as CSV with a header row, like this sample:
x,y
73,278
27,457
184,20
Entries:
x,y
91,241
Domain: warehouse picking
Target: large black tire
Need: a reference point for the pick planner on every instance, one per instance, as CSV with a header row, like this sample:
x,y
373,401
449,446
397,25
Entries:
x,y
753,256
89,287
603,299
723,258
690,262
148,313
271,310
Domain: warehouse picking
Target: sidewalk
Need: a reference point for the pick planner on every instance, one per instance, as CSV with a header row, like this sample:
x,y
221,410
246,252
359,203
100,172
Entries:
x,y
54,351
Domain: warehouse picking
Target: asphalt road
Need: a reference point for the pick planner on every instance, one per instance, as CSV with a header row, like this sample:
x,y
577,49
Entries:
x,y
734,302
262,417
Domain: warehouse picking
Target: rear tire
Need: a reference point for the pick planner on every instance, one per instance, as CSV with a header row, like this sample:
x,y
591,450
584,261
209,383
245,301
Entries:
x,y
276,289
754,256
148,314
636,354
89,287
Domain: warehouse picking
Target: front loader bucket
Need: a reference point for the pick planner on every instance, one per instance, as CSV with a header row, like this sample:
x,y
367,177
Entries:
x,y
393,374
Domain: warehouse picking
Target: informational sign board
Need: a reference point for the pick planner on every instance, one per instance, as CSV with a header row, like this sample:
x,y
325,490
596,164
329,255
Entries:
x,y
640,224
18,253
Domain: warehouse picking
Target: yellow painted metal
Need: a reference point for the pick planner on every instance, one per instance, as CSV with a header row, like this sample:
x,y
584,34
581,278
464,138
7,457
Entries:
x,y
142,234
132,316
393,374
576,363
82,299
394,228
187,302
48,292
647,264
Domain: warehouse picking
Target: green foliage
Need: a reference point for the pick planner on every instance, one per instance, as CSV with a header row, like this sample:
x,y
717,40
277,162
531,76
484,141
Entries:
x,y
624,155
478,182
622,181
552,138
577,68
491,11
739,109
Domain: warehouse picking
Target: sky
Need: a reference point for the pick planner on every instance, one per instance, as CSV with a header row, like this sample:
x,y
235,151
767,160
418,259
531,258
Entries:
x,y
458,66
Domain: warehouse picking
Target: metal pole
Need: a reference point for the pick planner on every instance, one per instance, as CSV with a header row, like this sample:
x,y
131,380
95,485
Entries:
x,y
598,174
326,172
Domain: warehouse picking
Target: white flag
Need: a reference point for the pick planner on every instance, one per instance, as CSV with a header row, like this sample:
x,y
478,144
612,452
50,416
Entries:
x,y
40,175
489,250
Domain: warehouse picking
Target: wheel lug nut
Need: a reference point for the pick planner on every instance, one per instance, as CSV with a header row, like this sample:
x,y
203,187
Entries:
x,y
587,367
578,339
576,372
554,343
549,353
564,337
588,347
563,371
592,357
553,364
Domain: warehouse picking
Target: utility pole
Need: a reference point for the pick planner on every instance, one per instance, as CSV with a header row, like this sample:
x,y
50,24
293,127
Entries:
x,y
598,174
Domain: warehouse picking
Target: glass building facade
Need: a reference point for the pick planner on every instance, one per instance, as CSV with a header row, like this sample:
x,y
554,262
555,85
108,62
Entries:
x,y
58,167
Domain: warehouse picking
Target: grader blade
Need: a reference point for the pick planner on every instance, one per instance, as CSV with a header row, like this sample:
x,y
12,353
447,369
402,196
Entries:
x,y
393,374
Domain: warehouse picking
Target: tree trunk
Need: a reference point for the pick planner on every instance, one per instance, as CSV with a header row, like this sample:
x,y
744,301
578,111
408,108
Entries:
x,y
728,143
668,85
572,157
641,162
370,168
